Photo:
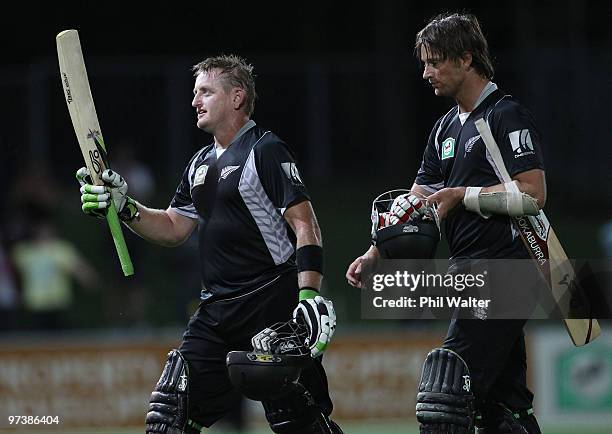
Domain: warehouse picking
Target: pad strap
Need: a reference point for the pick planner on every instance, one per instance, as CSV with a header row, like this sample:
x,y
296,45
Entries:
x,y
129,211
297,413
496,418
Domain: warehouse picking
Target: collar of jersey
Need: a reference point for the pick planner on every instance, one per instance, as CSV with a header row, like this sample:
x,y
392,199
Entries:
x,y
246,127
489,88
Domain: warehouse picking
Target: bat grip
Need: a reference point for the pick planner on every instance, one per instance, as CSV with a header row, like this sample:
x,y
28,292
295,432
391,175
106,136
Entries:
x,y
122,251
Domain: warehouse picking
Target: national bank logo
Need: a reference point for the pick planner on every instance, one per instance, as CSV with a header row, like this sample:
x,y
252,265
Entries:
x,y
521,143
448,148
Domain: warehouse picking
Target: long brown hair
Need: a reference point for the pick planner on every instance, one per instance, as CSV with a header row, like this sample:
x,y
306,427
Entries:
x,y
450,36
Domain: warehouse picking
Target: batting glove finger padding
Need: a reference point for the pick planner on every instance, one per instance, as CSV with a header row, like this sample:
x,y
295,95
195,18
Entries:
x,y
94,198
387,219
402,208
113,179
320,317
261,341
82,175
91,193
118,188
405,206
127,210
417,204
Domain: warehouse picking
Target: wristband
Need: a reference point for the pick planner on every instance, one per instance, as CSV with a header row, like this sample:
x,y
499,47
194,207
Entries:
x,y
309,258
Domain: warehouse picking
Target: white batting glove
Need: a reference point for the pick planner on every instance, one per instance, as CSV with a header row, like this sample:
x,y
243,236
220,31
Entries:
x,y
386,219
95,199
407,206
319,315
261,341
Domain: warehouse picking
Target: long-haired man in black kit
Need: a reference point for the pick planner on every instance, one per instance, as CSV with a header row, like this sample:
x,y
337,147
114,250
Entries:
x,y
483,361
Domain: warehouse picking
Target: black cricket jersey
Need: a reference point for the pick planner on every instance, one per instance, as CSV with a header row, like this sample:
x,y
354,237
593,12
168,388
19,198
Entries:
x,y
456,156
239,199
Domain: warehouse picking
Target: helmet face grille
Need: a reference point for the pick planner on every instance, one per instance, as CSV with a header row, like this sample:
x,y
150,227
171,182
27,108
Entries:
x,y
290,339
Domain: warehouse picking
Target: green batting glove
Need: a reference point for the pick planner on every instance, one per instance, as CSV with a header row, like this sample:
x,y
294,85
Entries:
x,y
95,199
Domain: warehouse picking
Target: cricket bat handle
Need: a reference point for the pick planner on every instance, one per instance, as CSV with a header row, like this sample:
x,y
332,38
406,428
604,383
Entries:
x,y
115,228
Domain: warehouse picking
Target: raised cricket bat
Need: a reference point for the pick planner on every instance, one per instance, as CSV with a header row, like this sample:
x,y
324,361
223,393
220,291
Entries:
x,y
87,128
546,250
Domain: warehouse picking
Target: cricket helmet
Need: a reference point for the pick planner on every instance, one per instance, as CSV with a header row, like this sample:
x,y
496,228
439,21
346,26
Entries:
x,y
270,375
415,237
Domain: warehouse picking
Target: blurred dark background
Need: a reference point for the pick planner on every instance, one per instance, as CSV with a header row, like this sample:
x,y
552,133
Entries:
x,y
337,81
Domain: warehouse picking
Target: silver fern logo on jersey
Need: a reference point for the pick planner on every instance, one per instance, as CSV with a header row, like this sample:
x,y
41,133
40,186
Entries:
x,y
469,144
200,175
226,171
292,172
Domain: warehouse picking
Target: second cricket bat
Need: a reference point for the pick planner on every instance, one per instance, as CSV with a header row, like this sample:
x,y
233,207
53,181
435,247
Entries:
x,y
87,128
546,250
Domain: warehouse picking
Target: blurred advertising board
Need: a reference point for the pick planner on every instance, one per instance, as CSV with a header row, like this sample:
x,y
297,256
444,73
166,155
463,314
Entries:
x,y
101,381
79,382
573,385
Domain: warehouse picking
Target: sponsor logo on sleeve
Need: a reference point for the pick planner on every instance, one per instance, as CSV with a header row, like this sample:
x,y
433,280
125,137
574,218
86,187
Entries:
x,y
521,143
292,172
448,148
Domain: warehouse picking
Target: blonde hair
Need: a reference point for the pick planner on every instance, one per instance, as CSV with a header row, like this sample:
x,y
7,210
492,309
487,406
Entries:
x,y
234,71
